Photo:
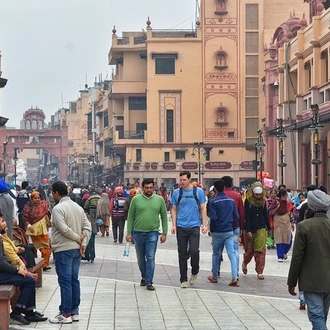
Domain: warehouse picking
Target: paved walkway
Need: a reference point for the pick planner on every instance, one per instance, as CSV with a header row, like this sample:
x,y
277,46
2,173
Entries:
x,y
113,299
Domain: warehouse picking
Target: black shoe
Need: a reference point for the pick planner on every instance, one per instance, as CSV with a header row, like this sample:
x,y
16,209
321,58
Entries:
x,y
19,318
143,282
47,268
115,241
35,318
150,287
38,314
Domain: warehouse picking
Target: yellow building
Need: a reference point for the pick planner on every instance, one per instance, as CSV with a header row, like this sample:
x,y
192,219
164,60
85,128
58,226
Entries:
x,y
79,146
179,93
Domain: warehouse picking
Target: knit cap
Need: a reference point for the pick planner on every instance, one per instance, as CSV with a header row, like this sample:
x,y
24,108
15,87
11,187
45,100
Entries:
x,y
317,200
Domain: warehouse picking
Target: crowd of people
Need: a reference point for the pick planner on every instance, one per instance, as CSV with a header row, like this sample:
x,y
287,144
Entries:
x,y
63,222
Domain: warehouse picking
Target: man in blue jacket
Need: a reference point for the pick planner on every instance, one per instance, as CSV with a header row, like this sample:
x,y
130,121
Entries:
x,y
223,216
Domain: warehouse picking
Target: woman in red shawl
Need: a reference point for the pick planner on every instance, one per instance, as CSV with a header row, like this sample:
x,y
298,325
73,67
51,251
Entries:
x,y
281,210
36,217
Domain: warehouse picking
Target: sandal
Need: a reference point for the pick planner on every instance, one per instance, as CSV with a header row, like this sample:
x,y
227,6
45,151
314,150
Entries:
x,y
260,277
244,268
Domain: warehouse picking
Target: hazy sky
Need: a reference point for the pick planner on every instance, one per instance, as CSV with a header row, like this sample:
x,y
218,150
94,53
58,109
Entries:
x,y
49,47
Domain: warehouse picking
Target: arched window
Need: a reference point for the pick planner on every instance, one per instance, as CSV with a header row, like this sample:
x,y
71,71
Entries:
x,y
221,115
27,124
221,7
221,59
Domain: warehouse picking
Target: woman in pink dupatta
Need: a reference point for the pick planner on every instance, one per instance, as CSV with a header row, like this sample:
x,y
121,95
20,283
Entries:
x,y
281,210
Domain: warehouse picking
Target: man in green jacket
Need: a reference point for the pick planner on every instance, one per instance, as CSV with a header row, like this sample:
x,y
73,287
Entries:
x,y
144,212
310,263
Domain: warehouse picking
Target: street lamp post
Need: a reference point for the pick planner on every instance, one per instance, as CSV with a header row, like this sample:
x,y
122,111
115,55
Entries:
x,y
260,146
199,148
281,137
316,127
4,158
83,171
15,158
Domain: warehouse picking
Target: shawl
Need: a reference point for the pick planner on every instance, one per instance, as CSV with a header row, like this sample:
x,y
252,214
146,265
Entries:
x,y
285,207
33,213
252,199
103,205
259,240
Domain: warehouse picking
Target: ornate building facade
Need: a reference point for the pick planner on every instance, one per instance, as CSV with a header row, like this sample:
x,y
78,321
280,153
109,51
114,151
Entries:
x,y
198,92
297,91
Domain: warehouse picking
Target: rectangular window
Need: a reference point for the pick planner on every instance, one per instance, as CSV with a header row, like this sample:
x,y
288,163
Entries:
x,y
165,65
140,127
252,125
120,129
169,126
105,119
137,103
252,106
252,42
251,17
252,65
180,155
138,155
73,107
166,156
251,86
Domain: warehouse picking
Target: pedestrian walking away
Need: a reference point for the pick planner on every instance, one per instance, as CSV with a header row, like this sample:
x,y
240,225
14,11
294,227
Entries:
x,y
188,214
70,233
143,216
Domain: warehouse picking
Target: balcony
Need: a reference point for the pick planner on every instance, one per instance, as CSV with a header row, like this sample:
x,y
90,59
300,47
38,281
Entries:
x,y
124,137
128,87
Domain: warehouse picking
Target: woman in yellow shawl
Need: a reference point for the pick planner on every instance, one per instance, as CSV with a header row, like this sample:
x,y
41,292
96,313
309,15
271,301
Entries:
x,y
36,217
255,229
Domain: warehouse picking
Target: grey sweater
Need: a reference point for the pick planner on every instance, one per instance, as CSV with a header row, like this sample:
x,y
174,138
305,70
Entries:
x,y
69,221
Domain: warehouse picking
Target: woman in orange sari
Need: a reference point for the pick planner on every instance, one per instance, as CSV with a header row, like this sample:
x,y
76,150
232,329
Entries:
x,y
36,217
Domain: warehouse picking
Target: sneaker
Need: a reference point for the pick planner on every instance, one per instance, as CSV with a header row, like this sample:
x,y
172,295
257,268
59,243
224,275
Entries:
x,y
302,307
218,274
285,257
60,318
212,279
193,279
143,282
107,233
280,260
184,285
150,287
75,317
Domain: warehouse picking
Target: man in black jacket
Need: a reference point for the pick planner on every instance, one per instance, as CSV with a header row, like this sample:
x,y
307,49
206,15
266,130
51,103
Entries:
x,y
10,274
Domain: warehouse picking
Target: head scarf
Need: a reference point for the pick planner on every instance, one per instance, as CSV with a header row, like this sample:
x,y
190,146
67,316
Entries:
x,y
34,193
251,197
318,201
103,205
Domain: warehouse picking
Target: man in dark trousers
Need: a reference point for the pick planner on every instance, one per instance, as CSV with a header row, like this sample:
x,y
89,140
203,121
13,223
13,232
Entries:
x,y
310,263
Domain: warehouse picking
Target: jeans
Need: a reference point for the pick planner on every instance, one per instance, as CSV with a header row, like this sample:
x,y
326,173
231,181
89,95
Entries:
x,y
27,285
236,247
317,309
188,246
67,265
145,247
219,240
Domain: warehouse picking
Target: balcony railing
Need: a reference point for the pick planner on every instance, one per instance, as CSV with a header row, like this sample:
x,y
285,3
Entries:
x,y
123,41
174,33
131,134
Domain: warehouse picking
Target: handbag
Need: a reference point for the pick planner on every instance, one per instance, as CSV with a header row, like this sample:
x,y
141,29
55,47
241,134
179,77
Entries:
x,y
28,256
99,222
